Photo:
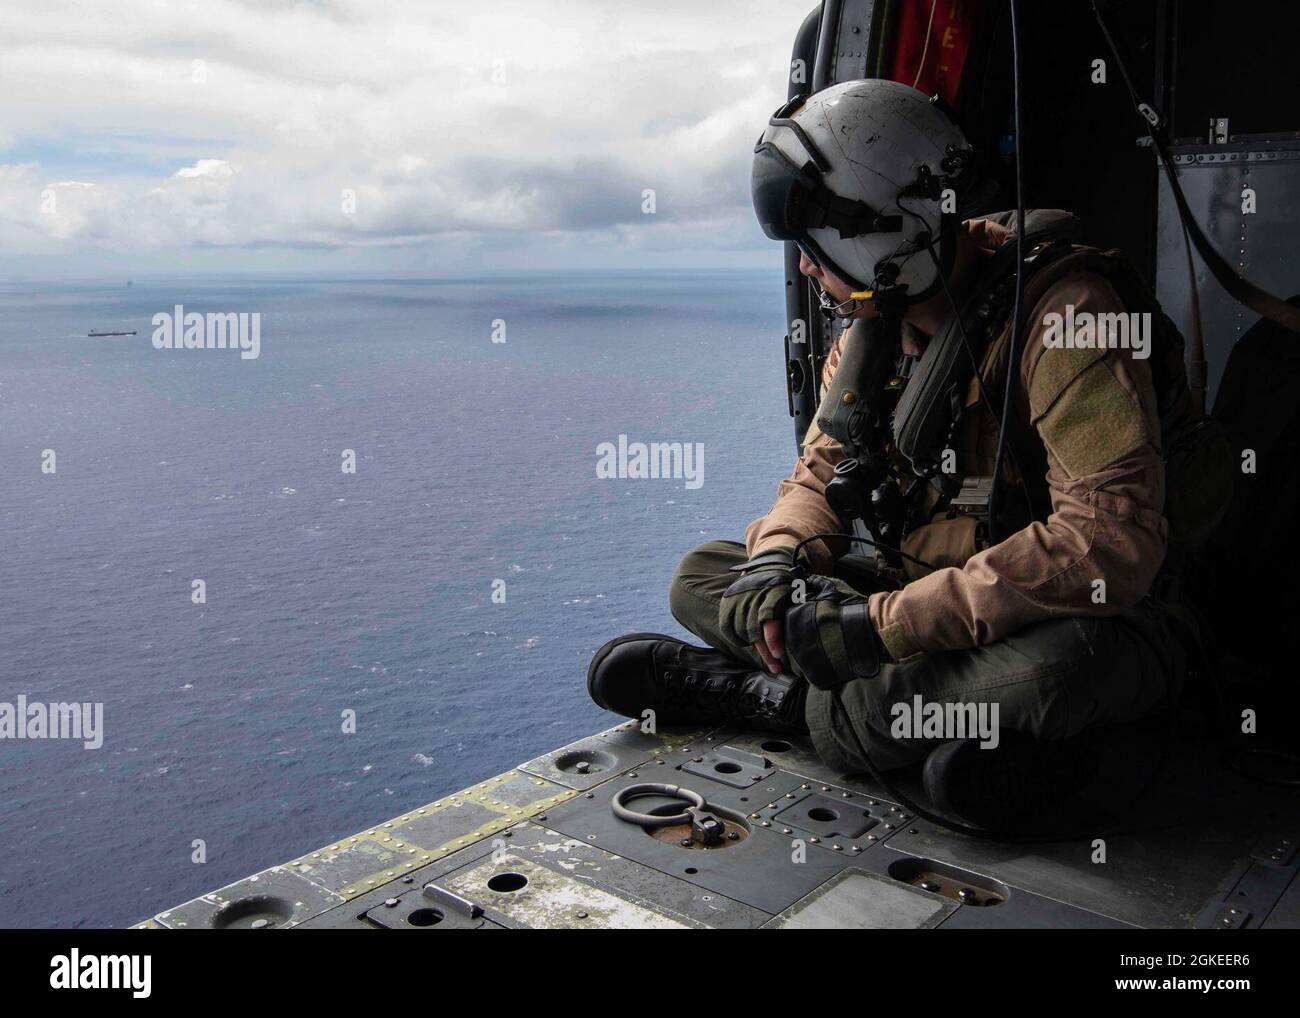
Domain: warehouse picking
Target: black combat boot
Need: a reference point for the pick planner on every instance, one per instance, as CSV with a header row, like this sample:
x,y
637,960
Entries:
x,y
1021,781
687,685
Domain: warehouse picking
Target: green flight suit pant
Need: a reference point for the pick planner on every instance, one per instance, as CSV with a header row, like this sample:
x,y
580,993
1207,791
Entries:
x,y
1050,679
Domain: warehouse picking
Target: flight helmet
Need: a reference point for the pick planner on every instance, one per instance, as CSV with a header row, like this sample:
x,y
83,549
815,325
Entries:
x,y
857,175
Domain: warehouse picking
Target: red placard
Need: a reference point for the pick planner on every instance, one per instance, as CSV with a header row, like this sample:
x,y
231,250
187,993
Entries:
x,y
936,66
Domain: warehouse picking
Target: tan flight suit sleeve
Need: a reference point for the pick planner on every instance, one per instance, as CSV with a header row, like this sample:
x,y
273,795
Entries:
x,y
1101,546
800,509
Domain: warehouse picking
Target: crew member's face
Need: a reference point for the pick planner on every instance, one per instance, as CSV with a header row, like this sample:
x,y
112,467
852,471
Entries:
x,y
833,285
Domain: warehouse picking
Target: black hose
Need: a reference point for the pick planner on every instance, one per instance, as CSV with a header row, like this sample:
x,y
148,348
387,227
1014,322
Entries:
x,y
862,540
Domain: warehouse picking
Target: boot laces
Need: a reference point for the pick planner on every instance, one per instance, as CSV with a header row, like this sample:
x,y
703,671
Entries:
x,y
727,694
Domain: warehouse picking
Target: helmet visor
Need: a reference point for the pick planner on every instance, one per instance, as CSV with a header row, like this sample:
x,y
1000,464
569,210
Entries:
x,y
777,187
781,191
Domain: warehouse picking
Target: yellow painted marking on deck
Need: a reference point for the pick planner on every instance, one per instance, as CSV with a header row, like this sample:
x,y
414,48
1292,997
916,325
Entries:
x,y
479,795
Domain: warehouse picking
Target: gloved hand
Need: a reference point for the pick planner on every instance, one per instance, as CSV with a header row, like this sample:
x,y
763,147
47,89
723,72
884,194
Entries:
x,y
830,637
760,595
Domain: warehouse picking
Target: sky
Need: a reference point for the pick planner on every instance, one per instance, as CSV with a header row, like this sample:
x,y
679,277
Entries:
x,y
386,136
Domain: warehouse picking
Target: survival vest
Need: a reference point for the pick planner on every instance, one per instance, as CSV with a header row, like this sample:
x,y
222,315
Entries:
x,y
941,410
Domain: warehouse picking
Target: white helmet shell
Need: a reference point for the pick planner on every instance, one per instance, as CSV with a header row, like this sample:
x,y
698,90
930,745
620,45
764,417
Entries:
x,y
876,139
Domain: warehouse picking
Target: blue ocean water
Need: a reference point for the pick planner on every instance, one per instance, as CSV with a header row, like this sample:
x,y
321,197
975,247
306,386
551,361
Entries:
x,y
327,591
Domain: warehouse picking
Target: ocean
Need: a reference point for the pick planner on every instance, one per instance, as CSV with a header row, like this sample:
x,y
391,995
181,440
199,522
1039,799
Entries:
x,y
328,592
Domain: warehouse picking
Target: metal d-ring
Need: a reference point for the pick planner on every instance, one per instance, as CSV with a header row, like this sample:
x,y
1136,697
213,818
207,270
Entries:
x,y
649,819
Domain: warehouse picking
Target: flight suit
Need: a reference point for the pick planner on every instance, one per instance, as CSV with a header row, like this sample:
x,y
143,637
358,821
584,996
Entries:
x,y
1054,623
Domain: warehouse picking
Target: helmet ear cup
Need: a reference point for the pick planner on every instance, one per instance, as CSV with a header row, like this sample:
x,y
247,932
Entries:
x,y
947,254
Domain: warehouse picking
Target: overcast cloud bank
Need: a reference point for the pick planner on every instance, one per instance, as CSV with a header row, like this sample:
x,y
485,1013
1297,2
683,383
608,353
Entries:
x,y
388,134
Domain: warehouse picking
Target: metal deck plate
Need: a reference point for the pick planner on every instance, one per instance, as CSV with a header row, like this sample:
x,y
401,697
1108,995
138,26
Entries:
x,y
588,762
539,846
579,878
858,900
765,870
277,897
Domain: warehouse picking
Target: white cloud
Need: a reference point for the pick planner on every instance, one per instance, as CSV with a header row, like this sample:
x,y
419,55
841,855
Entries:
x,y
217,169
247,126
